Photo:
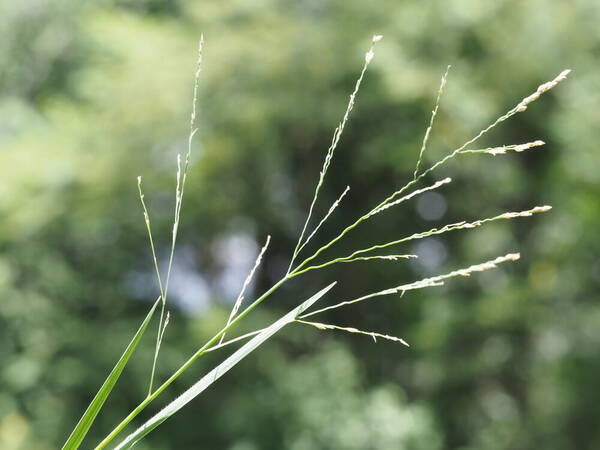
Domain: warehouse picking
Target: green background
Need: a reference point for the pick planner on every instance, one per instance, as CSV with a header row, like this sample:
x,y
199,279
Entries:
x,y
94,93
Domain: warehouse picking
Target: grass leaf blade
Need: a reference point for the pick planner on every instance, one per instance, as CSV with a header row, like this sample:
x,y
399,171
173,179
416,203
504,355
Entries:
x,y
86,421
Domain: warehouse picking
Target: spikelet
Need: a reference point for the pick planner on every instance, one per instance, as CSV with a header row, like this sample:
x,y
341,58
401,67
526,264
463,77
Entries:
x,y
542,88
505,148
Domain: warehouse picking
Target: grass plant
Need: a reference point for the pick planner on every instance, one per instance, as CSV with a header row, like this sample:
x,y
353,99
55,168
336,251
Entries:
x,y
298,264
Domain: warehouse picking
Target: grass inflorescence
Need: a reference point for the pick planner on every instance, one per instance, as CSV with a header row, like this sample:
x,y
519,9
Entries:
x,y
299,264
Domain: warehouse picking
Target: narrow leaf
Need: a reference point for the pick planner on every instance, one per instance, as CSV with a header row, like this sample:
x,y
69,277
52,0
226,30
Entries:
x,y
86,421
218,372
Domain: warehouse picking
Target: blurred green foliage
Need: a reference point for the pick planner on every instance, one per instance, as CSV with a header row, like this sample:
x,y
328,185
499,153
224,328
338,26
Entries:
x,y
94,93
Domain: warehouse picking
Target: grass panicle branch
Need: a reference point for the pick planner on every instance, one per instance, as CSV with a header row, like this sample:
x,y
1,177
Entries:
x,y
426,282
337,134
374,335
182,174
179,190
324,219
160,284
150,238
240,298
